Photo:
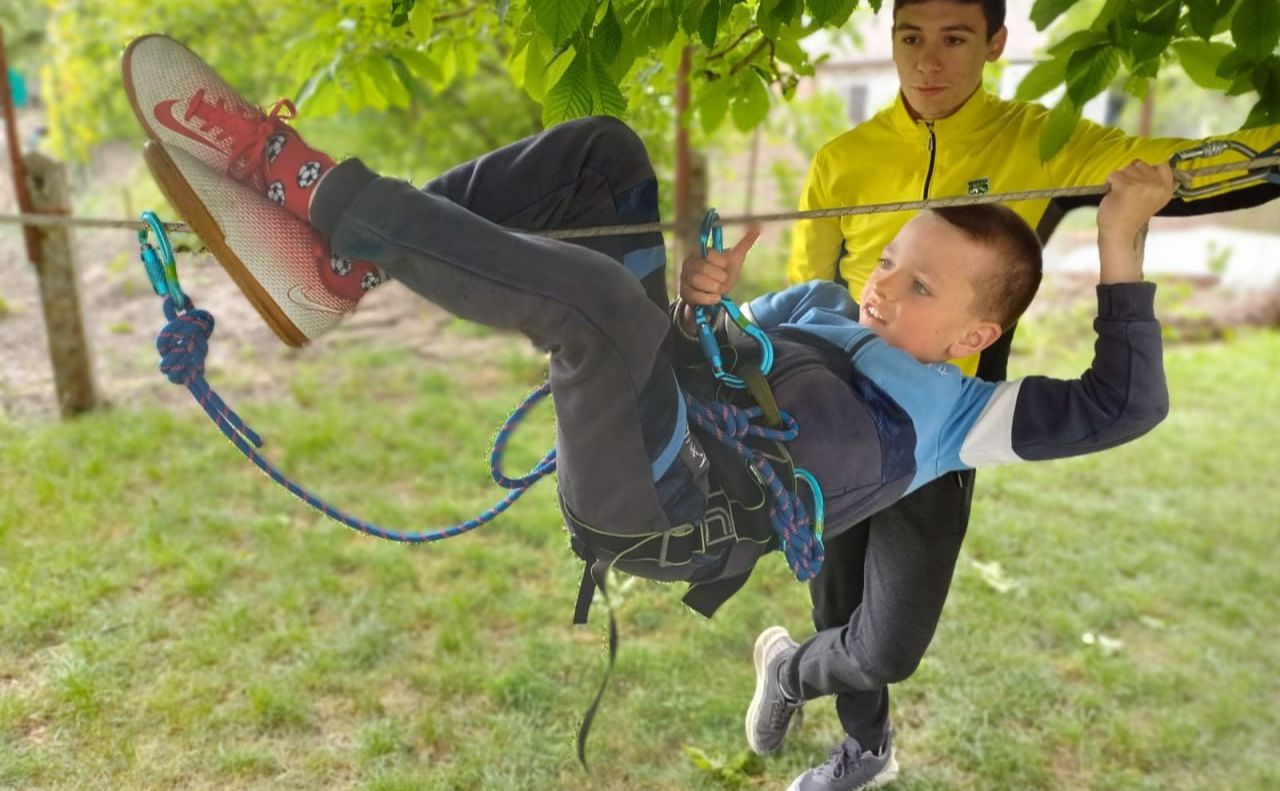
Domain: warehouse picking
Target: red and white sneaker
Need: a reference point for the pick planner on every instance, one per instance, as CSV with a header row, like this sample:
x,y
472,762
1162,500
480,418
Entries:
x,y
275,258
182,103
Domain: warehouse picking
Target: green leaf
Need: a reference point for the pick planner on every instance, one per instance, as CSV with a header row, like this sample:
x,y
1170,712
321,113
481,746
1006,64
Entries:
x,y
1145,33
773,15
606,41
606,99
1043,12
1043,77
389,84
571,96
421,22
709,24
1058,128
1203,15
751,104
559,19
421,65
1233,64
1255,28
1089,71
1200,60
831,12
713,103
1265,113
699,758
1079,40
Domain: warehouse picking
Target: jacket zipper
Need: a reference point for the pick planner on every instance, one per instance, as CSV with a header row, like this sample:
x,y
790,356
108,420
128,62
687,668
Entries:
x,y
933,152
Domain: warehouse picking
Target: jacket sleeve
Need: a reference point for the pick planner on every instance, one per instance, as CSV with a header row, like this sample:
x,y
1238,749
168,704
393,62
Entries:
x,y
789,305
816,245
1095,151
1122,396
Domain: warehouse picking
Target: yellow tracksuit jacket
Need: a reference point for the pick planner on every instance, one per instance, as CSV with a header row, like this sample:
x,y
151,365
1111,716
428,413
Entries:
x,y
987,146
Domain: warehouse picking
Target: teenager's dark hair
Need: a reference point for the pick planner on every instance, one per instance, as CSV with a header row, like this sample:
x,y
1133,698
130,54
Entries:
x,y
992,11
1004,293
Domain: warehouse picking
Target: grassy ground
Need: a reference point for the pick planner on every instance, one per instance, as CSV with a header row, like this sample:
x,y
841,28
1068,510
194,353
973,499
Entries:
x,y
171,619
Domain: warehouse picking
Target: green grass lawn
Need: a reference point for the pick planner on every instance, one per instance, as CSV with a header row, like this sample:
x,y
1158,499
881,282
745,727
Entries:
x,y
172,619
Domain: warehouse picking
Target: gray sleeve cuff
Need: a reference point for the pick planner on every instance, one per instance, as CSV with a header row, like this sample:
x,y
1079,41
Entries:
x,y
1127,301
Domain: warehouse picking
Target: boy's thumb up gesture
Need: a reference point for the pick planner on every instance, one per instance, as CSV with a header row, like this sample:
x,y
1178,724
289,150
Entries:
x,y
703,281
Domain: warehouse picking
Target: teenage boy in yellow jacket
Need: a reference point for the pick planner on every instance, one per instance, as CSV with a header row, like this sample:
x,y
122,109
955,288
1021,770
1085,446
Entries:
x,y
944,136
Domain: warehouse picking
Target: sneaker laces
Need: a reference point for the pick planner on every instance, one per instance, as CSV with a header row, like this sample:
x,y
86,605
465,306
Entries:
x,y
247,132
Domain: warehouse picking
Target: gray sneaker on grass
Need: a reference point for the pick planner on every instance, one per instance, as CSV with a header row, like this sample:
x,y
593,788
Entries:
x,y
849,768
771,710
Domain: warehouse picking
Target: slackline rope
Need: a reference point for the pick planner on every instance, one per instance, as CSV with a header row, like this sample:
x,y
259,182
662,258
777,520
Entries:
x,y
1183,176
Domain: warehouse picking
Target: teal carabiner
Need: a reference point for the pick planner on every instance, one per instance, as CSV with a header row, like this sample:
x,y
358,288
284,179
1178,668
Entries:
x,y
161,268
711,237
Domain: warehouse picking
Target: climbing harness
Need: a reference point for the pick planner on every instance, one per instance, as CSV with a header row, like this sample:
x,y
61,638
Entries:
x,y
801,538
183,345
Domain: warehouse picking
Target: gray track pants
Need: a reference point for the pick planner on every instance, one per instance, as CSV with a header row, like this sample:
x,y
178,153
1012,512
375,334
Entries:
x,y
598,307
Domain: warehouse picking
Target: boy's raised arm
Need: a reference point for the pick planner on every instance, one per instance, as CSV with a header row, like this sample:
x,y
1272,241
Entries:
x,y
1123,394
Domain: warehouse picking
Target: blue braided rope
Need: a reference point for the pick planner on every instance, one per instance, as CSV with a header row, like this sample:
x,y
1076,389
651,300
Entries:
x,y
183,345
790,519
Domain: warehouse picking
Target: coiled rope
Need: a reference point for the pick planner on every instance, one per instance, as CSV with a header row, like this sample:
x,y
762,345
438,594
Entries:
x,y
183,344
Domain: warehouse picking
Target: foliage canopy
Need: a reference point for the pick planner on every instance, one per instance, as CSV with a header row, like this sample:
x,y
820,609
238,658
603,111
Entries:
x,y
429,66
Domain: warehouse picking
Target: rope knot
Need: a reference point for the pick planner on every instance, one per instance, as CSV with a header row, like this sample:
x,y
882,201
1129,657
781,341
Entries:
x,y
183,345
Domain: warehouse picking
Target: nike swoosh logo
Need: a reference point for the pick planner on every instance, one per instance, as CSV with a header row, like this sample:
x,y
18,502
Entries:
x,y
298,296
163,112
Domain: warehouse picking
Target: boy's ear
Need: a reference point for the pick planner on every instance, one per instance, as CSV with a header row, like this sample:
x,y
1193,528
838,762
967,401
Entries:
x,y
978,337
995,47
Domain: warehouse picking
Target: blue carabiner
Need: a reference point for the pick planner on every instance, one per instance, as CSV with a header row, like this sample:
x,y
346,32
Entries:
x,y
161,268
711,237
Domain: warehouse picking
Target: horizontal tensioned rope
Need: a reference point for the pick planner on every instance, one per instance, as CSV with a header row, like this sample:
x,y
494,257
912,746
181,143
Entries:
x,y
1184,176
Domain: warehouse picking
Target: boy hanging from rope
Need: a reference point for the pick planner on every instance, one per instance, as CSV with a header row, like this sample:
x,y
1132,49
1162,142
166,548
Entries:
x,y
879,410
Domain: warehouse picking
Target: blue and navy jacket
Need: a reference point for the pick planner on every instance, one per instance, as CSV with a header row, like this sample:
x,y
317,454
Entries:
x,y
930,419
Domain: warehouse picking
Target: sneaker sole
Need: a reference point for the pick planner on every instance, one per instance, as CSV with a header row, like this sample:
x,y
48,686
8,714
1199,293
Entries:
x,y
758,657
886,776
184,199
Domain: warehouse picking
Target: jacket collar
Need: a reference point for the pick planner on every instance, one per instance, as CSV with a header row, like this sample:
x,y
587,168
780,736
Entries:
x,y
958,123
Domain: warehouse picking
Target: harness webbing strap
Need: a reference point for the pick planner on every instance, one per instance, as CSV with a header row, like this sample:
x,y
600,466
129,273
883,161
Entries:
x,y
762,393
597,572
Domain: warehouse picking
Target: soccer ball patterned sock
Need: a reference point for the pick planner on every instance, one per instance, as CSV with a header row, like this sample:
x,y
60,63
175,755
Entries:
x,y
291,171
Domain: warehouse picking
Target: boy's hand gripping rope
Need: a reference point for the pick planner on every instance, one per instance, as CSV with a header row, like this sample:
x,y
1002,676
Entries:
x,y
183,345
801,537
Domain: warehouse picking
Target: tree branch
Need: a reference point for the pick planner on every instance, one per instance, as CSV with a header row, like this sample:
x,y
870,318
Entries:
x,y
756,50
736,42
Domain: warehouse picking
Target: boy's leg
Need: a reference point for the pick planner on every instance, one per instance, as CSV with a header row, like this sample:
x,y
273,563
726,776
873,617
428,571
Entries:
x,y
878,604
584,173
605,334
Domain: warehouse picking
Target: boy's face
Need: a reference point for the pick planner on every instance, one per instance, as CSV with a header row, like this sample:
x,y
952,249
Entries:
x,y
940,48
921,297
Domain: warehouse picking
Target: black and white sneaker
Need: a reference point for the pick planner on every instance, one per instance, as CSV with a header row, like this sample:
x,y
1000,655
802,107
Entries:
x,y
849,768
771,710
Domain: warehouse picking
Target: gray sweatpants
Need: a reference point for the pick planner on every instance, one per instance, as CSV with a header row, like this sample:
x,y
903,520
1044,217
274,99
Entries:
x,y
597,307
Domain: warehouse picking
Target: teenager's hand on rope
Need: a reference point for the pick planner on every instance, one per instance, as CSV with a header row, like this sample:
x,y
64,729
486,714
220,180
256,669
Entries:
x,y
703,281
1138,191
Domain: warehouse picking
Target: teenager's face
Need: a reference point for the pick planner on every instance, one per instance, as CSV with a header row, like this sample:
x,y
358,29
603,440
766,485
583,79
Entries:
x,y
940,48
921,297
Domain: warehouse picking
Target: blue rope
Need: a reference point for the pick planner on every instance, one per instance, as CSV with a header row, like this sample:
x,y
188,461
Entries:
x,y
183,345
800,537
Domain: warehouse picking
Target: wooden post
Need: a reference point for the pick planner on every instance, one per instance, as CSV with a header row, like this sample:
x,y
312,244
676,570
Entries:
x,y
60,287
691,171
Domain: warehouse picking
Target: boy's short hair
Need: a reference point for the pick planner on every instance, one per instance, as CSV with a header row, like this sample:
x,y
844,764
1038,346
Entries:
x,y
992,11
1005,292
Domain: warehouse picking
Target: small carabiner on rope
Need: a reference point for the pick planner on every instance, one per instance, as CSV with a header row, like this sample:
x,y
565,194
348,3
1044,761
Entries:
x,y
711,237
1211,149
161,268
